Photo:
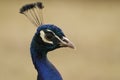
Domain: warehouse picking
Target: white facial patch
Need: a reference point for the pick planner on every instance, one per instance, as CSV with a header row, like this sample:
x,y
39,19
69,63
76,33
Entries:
x,y
42,34
56,36
50,30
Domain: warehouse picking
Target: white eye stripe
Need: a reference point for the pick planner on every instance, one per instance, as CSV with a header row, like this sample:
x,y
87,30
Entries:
x,y
42,35
56,36
50,31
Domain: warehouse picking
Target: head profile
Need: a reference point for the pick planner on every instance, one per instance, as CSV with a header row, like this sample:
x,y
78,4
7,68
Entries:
x,y
52,37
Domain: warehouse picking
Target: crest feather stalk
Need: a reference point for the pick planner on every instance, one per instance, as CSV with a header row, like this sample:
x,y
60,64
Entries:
x,y
33,12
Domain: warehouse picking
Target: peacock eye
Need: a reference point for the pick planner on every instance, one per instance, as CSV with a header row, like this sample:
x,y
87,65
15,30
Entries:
x,y
49,36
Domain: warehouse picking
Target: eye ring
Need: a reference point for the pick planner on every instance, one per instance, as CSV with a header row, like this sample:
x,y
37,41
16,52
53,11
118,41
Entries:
x,y
49,36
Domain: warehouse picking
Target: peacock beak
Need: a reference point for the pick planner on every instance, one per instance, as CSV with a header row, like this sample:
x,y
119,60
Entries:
x,y
65,42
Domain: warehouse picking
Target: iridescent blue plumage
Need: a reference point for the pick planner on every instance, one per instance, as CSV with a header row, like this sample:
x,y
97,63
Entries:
x,y
39,49
48,37
51,27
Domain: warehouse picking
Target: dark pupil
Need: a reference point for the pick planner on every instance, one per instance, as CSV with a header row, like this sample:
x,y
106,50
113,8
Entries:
x,y
49,35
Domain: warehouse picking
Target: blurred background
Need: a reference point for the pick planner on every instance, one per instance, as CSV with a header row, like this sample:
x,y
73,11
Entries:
x,y
92,25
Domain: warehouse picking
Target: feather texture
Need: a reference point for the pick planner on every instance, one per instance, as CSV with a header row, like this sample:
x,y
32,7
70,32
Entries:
x,y
48,37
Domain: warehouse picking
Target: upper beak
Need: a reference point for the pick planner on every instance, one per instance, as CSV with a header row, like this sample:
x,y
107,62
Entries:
x,y
65,42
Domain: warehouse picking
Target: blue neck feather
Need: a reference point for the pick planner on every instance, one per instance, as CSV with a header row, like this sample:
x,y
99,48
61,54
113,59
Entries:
x,y
46,71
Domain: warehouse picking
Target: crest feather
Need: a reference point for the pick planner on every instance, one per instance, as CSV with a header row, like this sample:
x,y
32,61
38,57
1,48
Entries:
x,y
33,12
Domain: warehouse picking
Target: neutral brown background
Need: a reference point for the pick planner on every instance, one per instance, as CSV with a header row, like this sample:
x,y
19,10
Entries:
x,y
93,26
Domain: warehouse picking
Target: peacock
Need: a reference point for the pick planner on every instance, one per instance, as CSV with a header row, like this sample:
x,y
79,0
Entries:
x,y
48,37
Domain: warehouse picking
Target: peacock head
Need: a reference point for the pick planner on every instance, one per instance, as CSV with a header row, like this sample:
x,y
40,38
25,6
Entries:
x,y
48,36
51,37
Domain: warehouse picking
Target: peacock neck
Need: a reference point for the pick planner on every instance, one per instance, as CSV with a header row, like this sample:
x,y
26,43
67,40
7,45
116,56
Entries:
x,y
45,69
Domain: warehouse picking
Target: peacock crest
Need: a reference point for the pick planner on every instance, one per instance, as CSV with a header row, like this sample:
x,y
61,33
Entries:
x,y
33,12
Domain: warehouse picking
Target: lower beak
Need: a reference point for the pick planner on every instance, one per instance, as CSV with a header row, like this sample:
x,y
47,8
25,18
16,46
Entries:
x,y
65,42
